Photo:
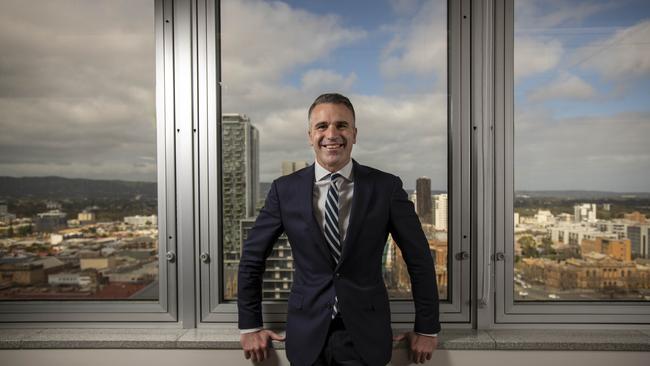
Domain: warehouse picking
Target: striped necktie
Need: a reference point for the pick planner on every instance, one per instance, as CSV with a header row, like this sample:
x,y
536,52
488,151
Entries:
x,y
332,233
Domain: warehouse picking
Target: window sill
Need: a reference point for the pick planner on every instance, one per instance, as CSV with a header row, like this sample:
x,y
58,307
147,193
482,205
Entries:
x,y
452,339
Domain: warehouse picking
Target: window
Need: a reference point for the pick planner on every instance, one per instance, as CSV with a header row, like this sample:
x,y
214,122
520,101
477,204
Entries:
x,y
391,59
80,211
579,97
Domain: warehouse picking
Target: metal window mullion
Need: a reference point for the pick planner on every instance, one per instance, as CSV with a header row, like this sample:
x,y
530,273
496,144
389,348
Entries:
x,y
184,95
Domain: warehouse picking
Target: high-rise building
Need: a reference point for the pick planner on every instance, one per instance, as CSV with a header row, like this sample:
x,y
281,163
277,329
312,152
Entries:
x,y
585,212
278,276
423,200
289,167
639,235
440,211
240,178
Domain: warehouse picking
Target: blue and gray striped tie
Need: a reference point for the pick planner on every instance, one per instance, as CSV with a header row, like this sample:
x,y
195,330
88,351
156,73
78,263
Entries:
x,y
332,232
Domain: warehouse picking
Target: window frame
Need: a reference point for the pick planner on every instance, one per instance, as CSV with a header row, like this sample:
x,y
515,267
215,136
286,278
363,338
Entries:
x,y
13,313
506,310
457,309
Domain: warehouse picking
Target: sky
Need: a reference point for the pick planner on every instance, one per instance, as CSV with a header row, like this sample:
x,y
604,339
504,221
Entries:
x,y
582,95
77,86
77,89
388,57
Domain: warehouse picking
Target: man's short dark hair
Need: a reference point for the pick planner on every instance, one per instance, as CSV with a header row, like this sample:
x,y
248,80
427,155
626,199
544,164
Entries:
x,y
332,98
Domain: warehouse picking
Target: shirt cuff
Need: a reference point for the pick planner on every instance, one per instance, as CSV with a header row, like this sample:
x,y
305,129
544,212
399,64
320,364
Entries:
x,y
428,335
251,330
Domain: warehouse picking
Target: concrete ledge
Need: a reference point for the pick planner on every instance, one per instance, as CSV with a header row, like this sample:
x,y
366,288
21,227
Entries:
x,y
228,339
560,340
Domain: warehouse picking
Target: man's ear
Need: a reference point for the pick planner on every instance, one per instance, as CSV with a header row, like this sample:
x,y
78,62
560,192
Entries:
x,y
309,137
355,135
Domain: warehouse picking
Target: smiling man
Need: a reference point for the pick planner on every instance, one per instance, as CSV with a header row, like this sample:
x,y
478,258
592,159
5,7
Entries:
x,y
337,215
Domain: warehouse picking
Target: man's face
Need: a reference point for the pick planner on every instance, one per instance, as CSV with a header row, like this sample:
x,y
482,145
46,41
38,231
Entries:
x,y
332,134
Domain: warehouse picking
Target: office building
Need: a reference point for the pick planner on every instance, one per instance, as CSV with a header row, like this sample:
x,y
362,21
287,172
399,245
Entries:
x,y
639,235
278,276
585,212
240,178
440,211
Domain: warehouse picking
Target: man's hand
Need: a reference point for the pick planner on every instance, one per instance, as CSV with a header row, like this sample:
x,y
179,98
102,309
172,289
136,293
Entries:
x,y
256,344
420,346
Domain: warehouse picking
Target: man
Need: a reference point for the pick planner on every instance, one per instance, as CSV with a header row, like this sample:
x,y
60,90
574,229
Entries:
x,y
337,215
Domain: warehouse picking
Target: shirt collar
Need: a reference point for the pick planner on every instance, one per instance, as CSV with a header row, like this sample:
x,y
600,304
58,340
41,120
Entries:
x,y
346,171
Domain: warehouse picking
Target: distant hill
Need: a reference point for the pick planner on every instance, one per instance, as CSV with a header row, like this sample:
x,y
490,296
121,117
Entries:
x,y
58,187
581,195
75,188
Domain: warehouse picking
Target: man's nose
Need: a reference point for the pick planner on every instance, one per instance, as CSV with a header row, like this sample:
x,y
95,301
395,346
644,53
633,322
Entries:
x,y
331,132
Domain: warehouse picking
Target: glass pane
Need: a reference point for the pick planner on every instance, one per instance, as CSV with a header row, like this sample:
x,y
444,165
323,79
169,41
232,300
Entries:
x,y
389,57
582,160
78,196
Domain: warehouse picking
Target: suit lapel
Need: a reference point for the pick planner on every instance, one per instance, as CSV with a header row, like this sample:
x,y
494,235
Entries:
x,y
307,191
363,188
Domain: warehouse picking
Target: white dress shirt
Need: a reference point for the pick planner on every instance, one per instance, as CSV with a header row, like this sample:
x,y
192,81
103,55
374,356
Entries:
x,y
346,191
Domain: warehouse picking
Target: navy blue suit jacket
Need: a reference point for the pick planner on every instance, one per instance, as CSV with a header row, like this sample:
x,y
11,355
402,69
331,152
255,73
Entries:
x,y
379,206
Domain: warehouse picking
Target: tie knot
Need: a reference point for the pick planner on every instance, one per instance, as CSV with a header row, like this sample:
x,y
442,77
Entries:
x,y
335,176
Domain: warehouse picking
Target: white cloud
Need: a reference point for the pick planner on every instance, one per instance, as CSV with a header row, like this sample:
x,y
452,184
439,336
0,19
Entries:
x,y
565,86
318,80
535,55
623,56
405,7
592,153
263,41
391,130
77,89
420,47
542,14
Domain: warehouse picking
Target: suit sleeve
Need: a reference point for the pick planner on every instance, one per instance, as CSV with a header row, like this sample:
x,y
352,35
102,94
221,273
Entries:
x,y
407,231
256,248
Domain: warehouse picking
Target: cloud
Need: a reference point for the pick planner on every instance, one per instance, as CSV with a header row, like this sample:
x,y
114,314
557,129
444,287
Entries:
x,y
420,46
77,90
593,153
543,14
77,101
405,7
279,109
535,55
564,87
290,38
318,80
621,57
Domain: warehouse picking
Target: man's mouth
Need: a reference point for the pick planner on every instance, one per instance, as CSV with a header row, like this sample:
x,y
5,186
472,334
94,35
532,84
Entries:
x,y
332,146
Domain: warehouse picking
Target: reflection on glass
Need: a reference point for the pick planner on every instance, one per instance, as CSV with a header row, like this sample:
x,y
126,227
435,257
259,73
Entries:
x,y
582,162
391,62
78,196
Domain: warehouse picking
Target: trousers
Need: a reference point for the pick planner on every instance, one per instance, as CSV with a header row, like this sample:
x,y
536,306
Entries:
x,y
339,349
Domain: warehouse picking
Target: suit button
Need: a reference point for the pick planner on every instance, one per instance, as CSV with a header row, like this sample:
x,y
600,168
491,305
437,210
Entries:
x,y
338,274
